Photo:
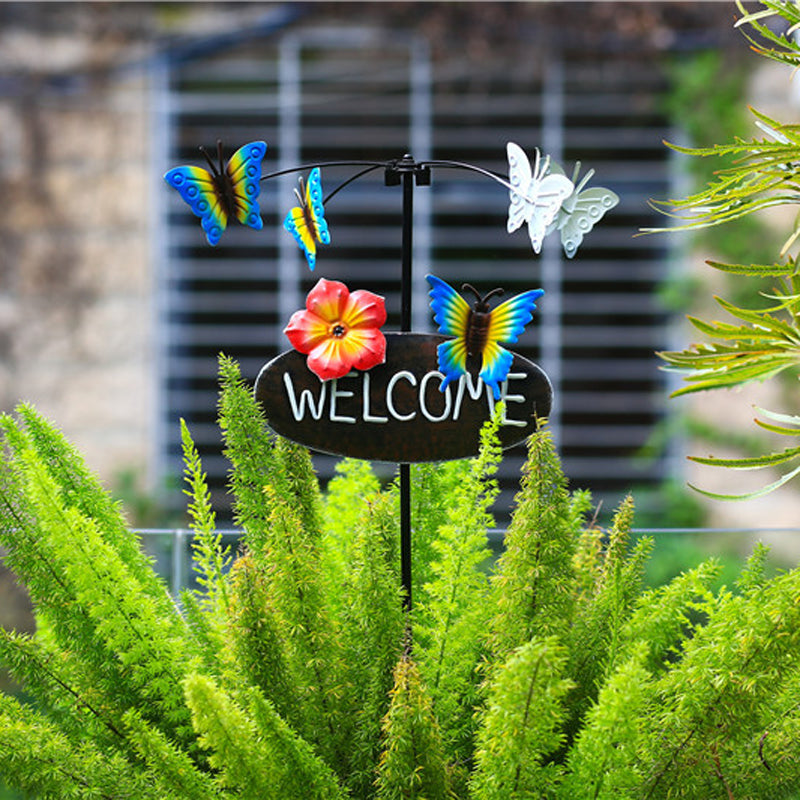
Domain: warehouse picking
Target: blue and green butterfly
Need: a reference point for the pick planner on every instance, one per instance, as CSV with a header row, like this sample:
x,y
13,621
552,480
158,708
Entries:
x,y
306,221
479,331
228,190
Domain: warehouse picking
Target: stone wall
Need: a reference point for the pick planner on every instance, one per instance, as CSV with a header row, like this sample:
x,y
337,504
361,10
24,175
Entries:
x,y
75,283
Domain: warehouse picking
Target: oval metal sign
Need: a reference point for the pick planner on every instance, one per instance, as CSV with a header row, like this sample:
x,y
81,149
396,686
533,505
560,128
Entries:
x,y
397,411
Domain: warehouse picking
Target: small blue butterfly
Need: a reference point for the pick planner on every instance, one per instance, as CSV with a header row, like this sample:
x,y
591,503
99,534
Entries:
x,y
479,331
229,190
306,221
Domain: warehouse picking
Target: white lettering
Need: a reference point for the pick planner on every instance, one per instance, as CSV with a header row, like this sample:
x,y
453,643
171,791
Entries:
x,y
366,395
306,403
306,396
465,382
511,398
336,392
448,400
405,374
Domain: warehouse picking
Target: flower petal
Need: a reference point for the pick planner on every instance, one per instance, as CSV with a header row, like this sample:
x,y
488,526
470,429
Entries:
x,y
328,300
306,330
329,360
365,310
338,330
365,347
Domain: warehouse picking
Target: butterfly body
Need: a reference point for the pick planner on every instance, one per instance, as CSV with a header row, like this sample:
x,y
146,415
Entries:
x,y
226,191
537,195
306,221
479,332
478,322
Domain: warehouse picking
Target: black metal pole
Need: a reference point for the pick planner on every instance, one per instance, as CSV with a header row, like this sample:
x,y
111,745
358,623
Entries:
x,y
408,172
405,326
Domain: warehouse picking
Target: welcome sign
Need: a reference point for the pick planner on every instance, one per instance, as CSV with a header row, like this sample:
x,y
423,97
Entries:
x,y
349,389
396,411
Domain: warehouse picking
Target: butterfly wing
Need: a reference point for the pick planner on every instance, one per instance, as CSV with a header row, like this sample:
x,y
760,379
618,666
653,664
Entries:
x,y
296,224
306,222
536,197
506,323
244,175
509,319
451,313
520,176
581,211
496,365
314,203
582,215
196,187
549,194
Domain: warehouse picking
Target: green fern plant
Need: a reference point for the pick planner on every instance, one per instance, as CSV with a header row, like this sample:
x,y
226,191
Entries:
x,y
756,175
293,672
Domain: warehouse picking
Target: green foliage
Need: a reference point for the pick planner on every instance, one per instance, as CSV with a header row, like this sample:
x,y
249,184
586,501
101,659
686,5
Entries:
x,y
295,673
749,176
412,765
706,117
452,615
531,588
522,724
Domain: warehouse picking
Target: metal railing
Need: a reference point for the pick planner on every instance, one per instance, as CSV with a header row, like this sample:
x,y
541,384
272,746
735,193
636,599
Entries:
x,y
174,557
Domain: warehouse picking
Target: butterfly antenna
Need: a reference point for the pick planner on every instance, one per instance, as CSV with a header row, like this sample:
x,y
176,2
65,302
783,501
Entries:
x,y
536,160
301,193
468,287
482,301
219,157
586,178
545,167
498,291
214,170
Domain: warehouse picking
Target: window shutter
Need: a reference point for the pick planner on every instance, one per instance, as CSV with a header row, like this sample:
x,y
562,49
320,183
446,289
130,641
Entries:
x,y
330,95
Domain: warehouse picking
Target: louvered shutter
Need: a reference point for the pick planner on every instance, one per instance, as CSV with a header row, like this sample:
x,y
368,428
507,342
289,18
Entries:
x,y
329,95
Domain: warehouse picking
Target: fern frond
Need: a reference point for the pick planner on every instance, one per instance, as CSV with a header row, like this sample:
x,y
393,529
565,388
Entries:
x,y
257,754
373,626
595,638
521,727
532,588
412,763
38,758
258,641
714,706
665,617
604,761
85,492
178,775
211,558
352,488
453,613
61,688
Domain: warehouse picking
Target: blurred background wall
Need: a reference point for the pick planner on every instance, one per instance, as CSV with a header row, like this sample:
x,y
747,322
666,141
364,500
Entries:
x,y
113,308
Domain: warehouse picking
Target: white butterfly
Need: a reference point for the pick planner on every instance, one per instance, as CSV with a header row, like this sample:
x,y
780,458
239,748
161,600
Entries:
x,y
537,196
581,211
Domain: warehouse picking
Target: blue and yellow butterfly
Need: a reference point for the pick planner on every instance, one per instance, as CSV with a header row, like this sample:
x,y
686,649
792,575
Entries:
x,y
226,191
479,332
306,222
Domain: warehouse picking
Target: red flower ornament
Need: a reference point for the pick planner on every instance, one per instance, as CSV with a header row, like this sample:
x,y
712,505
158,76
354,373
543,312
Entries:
x,y
339,330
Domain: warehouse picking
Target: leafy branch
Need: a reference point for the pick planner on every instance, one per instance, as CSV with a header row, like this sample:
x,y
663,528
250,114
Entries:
x,y
758,174
764,175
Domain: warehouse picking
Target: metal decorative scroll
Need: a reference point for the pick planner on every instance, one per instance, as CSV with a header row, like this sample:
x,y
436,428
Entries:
x,y
351,389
